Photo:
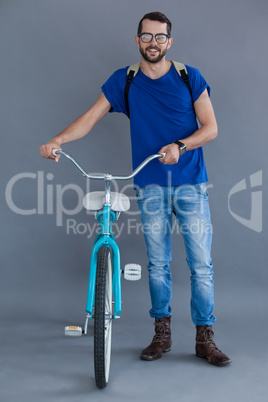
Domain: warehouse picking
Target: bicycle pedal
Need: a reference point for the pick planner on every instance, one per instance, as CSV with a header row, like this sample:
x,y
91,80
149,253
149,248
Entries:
x,y
73,331
132,272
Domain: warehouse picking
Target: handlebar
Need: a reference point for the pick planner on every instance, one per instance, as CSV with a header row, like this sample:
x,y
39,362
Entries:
x,y
107,177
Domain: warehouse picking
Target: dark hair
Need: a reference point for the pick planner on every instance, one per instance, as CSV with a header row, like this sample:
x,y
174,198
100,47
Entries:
x,y
155,16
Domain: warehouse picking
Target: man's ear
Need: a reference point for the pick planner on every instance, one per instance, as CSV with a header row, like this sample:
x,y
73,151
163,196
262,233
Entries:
x,y
137,40
170,41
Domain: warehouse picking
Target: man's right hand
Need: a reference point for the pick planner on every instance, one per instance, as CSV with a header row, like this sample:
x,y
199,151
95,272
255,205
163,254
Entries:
x,y
46,150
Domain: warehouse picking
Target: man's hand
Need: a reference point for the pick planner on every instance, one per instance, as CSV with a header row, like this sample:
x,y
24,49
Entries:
x,y
46,150
172,154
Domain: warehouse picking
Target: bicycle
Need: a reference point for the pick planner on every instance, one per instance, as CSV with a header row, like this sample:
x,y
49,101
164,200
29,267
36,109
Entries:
x,y
104,286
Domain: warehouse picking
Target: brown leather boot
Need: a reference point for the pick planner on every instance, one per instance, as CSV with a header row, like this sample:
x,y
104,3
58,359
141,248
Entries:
x,y
206,347
161,342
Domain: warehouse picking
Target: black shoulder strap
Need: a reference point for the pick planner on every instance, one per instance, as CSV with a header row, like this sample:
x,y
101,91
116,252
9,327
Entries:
x,y
130,77
185,78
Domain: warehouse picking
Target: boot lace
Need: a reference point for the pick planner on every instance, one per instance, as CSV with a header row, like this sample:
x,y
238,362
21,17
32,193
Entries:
x,y
159,332
208,337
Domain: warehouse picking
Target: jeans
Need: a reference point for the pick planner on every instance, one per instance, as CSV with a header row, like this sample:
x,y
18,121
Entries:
x,y
189,204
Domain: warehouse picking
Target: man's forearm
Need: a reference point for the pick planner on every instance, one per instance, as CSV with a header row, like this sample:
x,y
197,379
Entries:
x,y
78,128
84,123
208,130
201,137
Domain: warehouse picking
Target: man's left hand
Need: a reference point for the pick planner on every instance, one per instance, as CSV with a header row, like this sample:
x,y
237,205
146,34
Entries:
x,y
172,154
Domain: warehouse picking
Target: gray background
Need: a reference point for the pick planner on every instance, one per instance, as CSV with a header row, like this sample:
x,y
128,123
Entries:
x,y
55,55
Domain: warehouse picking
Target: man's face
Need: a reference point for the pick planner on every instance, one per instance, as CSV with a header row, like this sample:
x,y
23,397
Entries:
x,y
153,52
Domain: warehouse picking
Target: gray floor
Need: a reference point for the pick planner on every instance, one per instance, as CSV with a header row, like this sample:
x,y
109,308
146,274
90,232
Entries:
x,y
38,363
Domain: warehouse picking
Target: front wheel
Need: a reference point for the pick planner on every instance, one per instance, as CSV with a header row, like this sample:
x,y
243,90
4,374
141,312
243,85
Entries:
x,y
103,317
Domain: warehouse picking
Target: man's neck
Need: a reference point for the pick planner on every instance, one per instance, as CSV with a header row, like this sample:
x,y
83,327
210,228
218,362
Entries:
x,y
155,70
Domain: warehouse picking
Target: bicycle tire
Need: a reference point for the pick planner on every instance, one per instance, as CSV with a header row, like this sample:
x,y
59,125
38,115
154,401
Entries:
x,y
103,317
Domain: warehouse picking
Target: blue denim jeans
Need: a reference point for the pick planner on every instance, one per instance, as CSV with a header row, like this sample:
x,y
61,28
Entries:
x,y
189,204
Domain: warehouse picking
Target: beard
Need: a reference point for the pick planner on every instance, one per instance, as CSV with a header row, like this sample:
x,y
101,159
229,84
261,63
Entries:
x,y
152,59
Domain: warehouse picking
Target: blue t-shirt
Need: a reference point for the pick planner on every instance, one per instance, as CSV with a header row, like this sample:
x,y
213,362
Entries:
x,y
161,111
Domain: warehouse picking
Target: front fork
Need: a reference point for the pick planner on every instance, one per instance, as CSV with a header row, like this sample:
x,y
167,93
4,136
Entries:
x,y
105,237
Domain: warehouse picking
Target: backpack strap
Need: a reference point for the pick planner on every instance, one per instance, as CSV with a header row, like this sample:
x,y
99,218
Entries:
x,y
132,71
182,71
134,67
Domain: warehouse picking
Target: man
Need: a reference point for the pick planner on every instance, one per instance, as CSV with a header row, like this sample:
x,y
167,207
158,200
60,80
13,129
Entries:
x,y
162,111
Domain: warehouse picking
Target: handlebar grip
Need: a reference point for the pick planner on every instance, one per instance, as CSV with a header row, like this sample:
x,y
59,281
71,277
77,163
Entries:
x,y
163,155
54,152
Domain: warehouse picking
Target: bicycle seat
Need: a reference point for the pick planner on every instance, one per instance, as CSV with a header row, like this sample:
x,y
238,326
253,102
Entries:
x,y
95,200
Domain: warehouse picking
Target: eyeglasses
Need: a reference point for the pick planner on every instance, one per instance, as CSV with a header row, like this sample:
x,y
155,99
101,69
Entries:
x,y
148,37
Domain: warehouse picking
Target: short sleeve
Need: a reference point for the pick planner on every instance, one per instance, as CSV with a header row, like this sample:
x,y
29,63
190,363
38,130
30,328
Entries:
x,y
197,82
113,90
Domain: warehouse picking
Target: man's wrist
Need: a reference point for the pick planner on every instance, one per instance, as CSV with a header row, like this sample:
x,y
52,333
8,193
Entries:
x,y
182,147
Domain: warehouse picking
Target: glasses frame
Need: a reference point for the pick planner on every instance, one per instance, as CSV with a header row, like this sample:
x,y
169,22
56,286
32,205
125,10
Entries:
x,y
153,36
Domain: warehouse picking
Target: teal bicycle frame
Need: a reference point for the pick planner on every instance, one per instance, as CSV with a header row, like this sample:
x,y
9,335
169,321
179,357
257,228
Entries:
x,y
106,218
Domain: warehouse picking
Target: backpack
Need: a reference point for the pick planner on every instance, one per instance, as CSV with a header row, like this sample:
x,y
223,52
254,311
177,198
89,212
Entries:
x,y
132,71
